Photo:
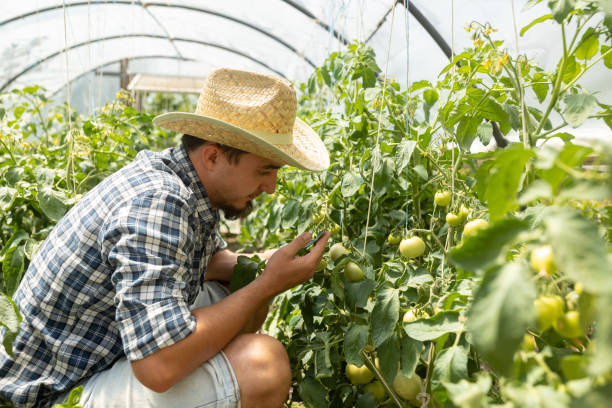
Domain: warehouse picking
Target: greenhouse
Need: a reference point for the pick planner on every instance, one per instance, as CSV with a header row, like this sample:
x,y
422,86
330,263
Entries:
x,y
306,203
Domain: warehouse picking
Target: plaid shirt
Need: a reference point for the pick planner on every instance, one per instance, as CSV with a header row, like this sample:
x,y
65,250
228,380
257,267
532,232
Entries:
x,y
115,277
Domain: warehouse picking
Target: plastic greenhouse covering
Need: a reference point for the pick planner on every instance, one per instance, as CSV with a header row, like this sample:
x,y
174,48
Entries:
x,y
52,43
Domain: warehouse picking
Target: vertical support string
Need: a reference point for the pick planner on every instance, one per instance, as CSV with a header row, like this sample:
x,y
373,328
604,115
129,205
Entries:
x,y
520,78
376,150
407,24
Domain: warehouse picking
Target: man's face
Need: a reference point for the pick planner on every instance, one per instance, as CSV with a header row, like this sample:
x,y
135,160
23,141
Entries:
x,y
235,186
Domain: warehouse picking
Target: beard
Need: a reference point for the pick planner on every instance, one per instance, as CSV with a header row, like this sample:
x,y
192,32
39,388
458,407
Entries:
x,y
232,213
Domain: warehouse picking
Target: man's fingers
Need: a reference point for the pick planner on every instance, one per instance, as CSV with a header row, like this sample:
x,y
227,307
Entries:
x,y
297,244
319,248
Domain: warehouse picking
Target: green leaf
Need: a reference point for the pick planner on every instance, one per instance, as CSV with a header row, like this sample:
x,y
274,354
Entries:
x,y
467,131
384,315
244,272
571,69
357,293
502,179
501,313
323,367
589,45
44,176
586,191
7,197
351,183
451,364
389,357
599,396
18,111
608,58
410,354
534,22
367,400
484,132
601,363
52,203
466,394
571,155
10,320
537,190
12,267
526,395
561,8
578,107
355,340
578,248
530,4
290,214
431,96
540,86
404,153
313,393
487,245
432,328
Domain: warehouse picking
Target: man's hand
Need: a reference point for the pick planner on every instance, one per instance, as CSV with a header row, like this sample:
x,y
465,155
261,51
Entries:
x,y
284,270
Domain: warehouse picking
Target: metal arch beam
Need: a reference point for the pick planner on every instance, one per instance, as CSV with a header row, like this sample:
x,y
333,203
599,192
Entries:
x,y
114,37
159,4
420,17
140,57
307,13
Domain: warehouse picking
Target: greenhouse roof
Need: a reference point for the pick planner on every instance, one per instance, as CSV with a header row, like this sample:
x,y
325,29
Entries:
x,y
51,42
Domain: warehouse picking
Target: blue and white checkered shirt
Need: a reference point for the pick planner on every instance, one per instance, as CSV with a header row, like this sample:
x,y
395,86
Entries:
x,y
115,277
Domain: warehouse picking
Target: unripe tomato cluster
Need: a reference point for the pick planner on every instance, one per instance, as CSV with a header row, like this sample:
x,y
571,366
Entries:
x,y
406,387
550,313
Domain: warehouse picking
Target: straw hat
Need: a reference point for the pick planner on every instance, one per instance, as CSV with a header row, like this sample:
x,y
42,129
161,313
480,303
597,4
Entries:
x,y
252,112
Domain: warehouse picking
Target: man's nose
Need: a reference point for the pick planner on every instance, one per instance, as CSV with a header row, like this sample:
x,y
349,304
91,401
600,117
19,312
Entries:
x,y
269,183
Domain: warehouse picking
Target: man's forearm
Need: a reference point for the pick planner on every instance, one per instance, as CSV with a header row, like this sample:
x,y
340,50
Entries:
x,y
216,326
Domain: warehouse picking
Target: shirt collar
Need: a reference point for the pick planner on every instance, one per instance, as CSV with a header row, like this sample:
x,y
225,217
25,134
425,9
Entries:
x,y
187,173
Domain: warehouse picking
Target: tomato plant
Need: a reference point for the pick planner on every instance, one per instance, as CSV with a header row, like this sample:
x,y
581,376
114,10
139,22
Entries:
x,y
460,309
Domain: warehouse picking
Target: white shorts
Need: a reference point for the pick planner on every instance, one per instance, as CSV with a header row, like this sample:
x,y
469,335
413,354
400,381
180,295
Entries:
x,y
212,385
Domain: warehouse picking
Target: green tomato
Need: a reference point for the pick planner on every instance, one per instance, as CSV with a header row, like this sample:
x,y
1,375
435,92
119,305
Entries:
x,y
442,198
409,316
464,212
549,308
412,247
453,220
473,226
573,367
407,387
542,260
317,218
336,251
353,273
358,375
377,389
335,230
568,325
394,239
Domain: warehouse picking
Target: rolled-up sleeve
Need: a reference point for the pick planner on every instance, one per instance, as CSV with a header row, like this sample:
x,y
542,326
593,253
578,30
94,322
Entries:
x,y
149,243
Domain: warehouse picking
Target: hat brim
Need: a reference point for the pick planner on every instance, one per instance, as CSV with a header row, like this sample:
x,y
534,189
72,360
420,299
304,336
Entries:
x,y
307,151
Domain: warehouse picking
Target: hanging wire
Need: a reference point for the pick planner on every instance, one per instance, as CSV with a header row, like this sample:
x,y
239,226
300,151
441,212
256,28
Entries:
x,y
376,150
452,29
90,81
67,66
520,76
407,24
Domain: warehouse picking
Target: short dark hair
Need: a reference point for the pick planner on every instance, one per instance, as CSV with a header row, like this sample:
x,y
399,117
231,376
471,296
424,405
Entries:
x,y
231,153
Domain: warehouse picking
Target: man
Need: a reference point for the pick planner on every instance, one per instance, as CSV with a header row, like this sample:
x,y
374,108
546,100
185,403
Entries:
x,y
118,298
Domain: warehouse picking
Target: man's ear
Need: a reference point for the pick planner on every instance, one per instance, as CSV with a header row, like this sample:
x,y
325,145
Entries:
x,y
210,155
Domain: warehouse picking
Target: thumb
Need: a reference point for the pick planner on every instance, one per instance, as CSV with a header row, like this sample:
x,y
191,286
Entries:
x,y
297,244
